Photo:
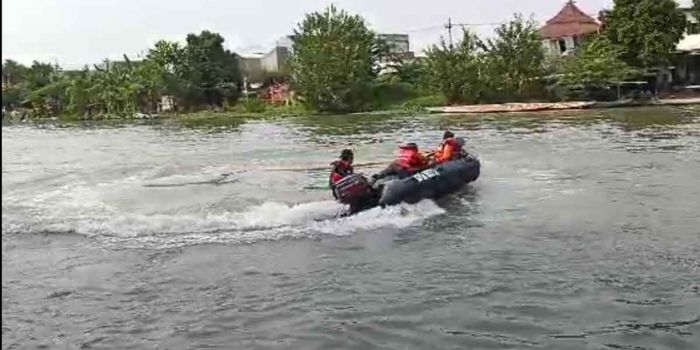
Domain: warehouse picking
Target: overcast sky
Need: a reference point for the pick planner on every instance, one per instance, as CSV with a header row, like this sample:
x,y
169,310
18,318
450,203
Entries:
x,y
75,32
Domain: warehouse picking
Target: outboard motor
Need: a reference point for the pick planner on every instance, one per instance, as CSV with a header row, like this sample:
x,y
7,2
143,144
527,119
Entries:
x,y
352,189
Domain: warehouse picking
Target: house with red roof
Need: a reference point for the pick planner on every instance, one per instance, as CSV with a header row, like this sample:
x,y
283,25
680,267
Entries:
x,y
567,30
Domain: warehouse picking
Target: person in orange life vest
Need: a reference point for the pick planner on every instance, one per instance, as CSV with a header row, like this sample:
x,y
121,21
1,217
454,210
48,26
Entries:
x,y
450,148
341,168
408,163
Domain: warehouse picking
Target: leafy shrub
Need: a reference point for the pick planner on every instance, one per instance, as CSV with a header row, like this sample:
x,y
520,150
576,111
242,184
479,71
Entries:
x,y
253,105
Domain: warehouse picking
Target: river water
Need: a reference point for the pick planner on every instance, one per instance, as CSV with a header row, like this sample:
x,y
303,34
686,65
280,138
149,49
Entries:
x,y
582,232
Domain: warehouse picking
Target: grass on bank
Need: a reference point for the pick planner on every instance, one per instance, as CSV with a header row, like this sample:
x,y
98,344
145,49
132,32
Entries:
x,y
256,109
384,99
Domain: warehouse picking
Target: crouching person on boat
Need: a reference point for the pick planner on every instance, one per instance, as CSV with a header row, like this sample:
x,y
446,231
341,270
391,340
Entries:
x,y
340,169
409,162
350,188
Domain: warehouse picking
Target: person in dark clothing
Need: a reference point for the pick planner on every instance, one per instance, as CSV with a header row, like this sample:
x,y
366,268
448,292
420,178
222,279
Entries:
x,y
340,169
408,163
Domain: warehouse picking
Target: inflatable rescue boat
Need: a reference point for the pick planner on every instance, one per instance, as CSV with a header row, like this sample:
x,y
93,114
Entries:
x,y
431,183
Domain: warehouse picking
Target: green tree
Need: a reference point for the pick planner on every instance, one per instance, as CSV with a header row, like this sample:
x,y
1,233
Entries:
x,y
12,95
209,71
150,79
597,65
116,88
166,54
456,73
44,88
646,30
78,92
13,77
167,60
13,72
49,99
408,71
40,74
334,61
202,72
515,58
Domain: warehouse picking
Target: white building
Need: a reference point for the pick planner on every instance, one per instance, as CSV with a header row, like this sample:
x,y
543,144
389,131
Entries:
x,y
250,65
276,60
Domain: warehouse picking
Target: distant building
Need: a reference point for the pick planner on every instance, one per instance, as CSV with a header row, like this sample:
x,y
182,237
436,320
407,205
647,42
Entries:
x,y
693,23
256,66
565,32
276,60
286,41
690,44
396,43
398,50
250,65
167,103
687,56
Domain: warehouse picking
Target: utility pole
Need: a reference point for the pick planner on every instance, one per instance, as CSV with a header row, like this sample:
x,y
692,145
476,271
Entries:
x,y
449,30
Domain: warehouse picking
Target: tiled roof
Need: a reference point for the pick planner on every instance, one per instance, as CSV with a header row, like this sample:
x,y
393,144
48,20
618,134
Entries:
x,y
570,21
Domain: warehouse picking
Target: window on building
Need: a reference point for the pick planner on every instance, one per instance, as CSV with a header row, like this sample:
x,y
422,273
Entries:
x,y
562,45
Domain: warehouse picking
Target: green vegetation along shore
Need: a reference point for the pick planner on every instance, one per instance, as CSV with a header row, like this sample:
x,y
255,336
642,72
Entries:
x,y
337,71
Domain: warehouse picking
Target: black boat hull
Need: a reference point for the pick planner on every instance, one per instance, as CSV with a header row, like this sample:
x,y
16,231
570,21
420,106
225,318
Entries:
x,y
432,183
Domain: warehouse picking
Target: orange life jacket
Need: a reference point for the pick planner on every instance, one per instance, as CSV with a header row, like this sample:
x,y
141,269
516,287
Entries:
x,y
449,148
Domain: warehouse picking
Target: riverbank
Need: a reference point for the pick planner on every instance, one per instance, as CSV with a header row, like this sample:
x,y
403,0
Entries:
x,y
209,116
239,114
559,106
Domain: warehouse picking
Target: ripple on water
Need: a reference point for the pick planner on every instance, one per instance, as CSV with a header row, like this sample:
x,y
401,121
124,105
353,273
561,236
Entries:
x,y
580,234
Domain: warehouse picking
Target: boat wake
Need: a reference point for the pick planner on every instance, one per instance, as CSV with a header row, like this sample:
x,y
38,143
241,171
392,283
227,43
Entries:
x,y
188,180
265,222
135,211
